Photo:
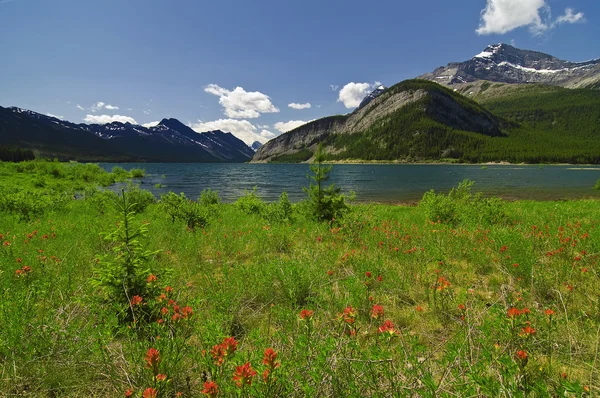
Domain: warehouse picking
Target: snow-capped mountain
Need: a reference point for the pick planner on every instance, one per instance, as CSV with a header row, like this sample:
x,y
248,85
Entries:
x,y
374,94
256,145
507,64
168,141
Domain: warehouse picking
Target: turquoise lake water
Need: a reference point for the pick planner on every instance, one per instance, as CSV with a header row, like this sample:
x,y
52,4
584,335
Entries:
x,y
372,183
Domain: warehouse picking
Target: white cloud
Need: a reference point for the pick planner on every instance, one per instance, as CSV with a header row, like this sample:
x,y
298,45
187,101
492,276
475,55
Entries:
x,y
146,111
503,16
101,105
242,129
352,93
334,87
241,104
151,124
54,116
81,108
104,119
294,105
284,127
570,17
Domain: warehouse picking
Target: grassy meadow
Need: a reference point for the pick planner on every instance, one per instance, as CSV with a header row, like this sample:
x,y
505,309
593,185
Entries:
x,y
461,296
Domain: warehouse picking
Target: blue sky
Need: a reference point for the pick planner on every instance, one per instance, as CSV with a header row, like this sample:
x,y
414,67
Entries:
x,y
239,64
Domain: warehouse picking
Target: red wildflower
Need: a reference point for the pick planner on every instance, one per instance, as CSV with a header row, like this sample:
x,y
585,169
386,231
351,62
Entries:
x,y
210,388
187,311
349,315
330,272
418,308
462,307
368,274
522,355
150,393
19,260
379,278
164,310
243,375
161,377
152,278
306,314
549,312
229,345
525,311
376,311
527,331
152,360
169,289
513,312
266,375
136,300
388,327
503,249
129,392
270,358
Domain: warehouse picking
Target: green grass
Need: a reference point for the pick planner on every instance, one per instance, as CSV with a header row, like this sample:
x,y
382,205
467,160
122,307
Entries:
x,y
446,288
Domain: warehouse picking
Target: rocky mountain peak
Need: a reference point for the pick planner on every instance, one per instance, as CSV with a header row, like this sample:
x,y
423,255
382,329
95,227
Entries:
x,y
372,95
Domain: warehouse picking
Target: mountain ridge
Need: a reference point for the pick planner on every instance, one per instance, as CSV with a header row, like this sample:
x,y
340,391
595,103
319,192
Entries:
x,y
169,141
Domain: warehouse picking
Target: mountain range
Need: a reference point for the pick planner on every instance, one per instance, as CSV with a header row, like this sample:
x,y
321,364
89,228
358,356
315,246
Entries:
x,y
169,141
504,104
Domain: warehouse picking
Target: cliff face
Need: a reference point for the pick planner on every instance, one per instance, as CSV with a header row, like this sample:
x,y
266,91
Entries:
x,y
426,100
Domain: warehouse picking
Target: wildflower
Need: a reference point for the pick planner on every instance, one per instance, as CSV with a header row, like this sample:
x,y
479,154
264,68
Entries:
x,y
525,311
136,300
368,274
527,331
152,360
187,311
388,327
229,344
150,393
161,377
522,355
462,307
349,315
513,312
376,311
418,308
549,312
379,278
306,314
503,249
164,310
169,289
270,358
330,272
19,260
266,375
243,375
210,388
152,278
129,392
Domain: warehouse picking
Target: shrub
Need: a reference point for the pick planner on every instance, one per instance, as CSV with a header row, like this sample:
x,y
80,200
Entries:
x,y
139,198
280,211
137,173
461,206
597,186
123,272
193,214
208,197
250,203
171,204
324,203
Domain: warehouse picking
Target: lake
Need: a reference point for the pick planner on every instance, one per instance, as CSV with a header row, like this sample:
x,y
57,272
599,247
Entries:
x,y
371,182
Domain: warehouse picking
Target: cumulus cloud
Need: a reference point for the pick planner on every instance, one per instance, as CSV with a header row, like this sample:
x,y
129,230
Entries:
x,y
294,105
503,16
570,17
352,93
151,124
242,129
284,127
104,119
111,107
242,104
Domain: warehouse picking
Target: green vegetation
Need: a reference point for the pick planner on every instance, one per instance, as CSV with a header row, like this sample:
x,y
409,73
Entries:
x,y
297,157
514,123
12,154
98,297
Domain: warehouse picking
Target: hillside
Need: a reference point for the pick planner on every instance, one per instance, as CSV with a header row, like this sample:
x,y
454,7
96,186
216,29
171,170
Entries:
x,y
169,141
414,119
